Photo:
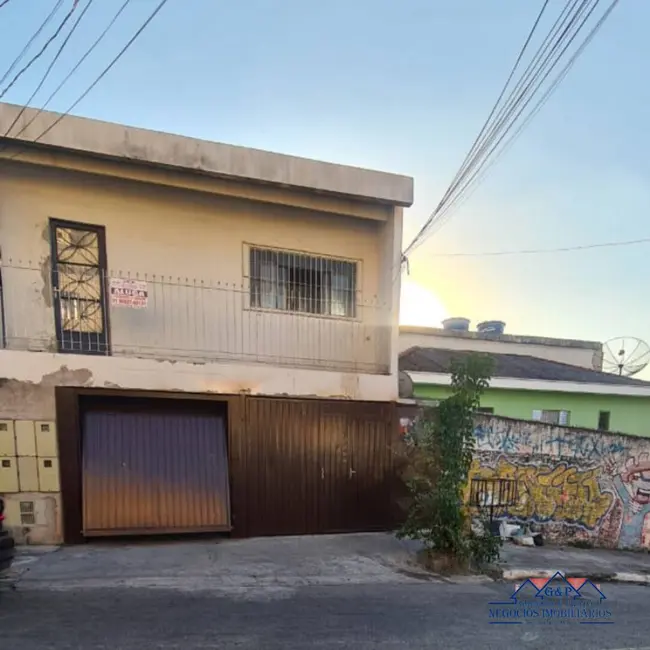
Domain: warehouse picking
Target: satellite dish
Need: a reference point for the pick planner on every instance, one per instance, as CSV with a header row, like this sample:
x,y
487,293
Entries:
x,y
625,356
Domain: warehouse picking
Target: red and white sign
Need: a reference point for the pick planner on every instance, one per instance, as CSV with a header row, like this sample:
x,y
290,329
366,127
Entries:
x,y
129,293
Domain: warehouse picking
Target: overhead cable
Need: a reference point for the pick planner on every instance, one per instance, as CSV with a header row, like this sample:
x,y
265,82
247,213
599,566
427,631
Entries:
x,y
49,68
40,53
79,63
30,42
104,72
477,176
498,131
540,251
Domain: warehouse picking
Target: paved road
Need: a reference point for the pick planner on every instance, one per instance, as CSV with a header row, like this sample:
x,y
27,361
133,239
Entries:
x,y
423,615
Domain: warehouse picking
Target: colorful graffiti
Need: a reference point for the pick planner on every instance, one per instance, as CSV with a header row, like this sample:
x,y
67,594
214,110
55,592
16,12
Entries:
x,y
632,485
579,484
551,492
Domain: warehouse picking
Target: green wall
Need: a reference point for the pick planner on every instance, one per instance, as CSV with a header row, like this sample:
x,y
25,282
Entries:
x,y
627,414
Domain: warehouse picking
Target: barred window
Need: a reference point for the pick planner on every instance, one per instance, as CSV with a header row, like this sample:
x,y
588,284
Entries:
x,y
301,283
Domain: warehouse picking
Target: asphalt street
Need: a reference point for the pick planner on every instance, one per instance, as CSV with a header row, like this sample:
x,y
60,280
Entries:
x,y
423,615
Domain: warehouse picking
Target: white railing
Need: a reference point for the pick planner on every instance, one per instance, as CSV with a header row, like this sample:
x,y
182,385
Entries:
x,y
173,318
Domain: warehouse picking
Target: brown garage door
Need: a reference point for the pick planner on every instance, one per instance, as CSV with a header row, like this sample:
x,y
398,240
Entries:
x,y
154,472
307,466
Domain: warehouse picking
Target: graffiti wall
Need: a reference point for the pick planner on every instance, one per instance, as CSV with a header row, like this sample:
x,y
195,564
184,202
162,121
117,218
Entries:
x,y
582,485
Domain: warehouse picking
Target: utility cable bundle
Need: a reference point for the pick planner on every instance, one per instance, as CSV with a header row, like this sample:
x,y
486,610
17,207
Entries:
x,y
520,100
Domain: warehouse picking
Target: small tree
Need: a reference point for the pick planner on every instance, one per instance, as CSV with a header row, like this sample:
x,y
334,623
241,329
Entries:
x,y
438,469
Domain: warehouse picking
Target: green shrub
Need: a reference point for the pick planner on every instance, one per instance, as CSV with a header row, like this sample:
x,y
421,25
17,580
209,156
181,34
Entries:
x,y
437,471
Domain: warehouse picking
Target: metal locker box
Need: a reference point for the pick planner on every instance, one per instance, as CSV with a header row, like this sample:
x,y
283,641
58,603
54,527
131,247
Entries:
x,y
46,445
48,475
7,439
8,475
25,438
27,474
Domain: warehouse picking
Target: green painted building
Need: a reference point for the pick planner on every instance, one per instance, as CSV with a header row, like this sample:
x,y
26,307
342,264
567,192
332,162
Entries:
x,y
531,388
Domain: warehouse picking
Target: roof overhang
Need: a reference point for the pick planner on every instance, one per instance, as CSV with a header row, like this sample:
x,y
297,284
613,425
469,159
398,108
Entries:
x,y
509,383
118,142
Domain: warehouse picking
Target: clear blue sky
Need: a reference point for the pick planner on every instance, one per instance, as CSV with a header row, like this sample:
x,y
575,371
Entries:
x,y
404,85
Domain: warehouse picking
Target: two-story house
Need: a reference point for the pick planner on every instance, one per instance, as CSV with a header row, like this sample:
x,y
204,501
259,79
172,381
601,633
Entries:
x,y
195,336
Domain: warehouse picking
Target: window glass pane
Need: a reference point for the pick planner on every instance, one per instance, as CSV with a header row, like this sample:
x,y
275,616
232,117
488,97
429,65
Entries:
x,y
81,316
77,246
343,289
79,282
301,283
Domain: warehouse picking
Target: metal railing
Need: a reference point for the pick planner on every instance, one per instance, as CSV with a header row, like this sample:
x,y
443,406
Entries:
x,y
174,318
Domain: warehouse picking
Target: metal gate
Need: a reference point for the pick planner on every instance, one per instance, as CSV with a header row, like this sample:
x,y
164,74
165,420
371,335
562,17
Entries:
x,y
307,466
154,472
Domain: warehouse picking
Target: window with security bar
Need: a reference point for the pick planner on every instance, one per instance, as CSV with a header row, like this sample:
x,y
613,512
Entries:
x,y
78,273
299,283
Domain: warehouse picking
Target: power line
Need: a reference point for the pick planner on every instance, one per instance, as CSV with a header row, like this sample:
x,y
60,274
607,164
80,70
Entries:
x,y
88,52
49,69
539,251
491,142
541,64
3,3
41,51
29,43
472,150
104,72
479,137
476,178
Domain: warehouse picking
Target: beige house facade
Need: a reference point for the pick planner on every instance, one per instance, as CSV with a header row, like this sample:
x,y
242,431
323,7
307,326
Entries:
x,y
136,261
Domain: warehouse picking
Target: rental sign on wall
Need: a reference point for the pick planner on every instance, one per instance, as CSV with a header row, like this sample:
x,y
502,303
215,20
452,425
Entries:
x,y
128,293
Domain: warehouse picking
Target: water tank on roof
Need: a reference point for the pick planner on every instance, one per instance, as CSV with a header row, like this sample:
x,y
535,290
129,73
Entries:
x,y
494,327
456,324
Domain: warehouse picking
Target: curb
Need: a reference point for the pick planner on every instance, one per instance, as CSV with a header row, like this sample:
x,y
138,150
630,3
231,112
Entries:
x,y
515,575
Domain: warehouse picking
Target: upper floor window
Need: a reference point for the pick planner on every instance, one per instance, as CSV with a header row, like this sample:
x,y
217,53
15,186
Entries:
x,y
302,283
78,280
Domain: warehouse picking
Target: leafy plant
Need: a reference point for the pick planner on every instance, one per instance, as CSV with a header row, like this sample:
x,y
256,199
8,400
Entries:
x,y
439,460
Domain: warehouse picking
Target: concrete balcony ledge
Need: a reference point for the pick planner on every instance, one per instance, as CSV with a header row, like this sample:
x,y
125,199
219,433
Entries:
x,y
29,377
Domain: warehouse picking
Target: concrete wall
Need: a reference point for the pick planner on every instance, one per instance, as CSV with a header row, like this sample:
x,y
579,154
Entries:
x,y
193,249
586,354
628,414
581,485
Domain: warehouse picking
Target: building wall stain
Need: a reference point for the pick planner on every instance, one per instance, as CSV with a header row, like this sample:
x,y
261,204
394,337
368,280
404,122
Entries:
x,y
30,400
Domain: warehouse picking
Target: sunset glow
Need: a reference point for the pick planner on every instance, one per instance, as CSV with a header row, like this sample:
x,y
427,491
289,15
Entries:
x,y
420,306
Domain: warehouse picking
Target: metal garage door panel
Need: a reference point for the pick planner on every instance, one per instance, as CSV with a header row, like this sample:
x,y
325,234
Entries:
x,y
154,473
308,466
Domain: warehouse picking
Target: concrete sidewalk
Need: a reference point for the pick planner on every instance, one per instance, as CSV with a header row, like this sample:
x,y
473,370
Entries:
x,y
222,565
521,562
286,563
